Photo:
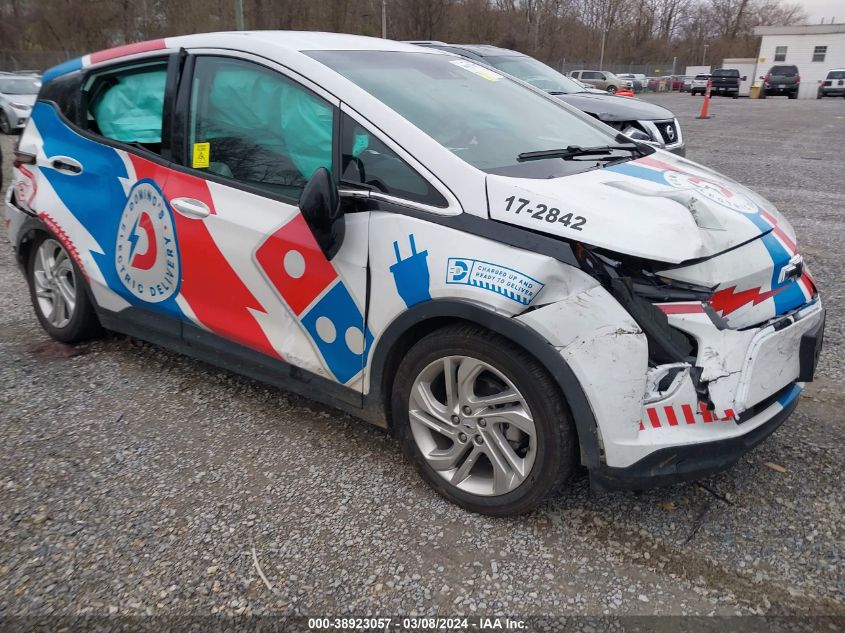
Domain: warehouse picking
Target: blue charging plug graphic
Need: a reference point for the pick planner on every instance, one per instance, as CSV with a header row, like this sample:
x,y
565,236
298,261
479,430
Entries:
x,y
411,274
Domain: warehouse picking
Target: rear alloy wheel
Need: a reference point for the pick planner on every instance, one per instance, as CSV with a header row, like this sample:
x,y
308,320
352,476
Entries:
x,y
5,126
58,293
483,421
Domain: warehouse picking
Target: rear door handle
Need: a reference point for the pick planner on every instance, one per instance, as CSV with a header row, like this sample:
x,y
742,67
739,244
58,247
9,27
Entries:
x,y
190,208
66,165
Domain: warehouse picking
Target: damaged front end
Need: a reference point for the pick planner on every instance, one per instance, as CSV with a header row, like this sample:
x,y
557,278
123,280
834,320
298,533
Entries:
x,y
709,390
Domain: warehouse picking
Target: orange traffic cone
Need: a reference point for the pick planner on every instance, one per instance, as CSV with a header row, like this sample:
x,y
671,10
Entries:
x,y
625,92
705,105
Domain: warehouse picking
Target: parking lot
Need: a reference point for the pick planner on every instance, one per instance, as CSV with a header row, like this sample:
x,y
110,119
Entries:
x,y
136,481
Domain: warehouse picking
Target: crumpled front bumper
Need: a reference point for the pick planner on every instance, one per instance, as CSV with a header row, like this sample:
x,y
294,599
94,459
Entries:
x,y
675,464
754,379
704,416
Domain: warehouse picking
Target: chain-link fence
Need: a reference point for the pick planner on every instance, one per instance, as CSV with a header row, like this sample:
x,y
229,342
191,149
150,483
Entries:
x,y
650,69
660,76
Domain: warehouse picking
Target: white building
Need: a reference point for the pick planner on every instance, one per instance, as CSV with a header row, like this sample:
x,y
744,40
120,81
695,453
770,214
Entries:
x,y
815,49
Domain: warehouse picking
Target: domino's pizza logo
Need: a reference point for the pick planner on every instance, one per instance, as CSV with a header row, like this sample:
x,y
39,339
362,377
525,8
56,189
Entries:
x,y
146,256
712,191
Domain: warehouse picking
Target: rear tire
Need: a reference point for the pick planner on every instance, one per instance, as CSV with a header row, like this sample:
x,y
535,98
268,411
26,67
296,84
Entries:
x,y
793,95
58,293
499,406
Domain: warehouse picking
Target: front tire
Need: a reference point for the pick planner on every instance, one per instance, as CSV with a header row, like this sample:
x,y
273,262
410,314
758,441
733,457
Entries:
x,y
57,290
482,421
611,89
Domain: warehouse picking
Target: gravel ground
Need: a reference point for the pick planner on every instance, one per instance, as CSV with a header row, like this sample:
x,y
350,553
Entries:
x,y
136,481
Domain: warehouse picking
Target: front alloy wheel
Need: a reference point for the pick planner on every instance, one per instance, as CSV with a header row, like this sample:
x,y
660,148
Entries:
x,y
472,425
483,421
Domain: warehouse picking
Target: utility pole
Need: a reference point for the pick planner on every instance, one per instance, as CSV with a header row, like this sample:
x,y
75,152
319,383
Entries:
x,y
704,54
239,15
384,19
601,58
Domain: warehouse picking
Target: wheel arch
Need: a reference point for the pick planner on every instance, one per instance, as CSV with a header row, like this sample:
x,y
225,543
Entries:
x,y
26,237
423,318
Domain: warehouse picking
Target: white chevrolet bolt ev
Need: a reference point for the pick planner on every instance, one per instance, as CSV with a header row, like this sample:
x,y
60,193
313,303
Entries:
x,y
508,285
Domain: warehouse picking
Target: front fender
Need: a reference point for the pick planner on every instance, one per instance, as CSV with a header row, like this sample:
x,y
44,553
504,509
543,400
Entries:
x,y
606,352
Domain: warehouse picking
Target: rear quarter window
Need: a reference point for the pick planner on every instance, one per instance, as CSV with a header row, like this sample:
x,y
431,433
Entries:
x,y
65,93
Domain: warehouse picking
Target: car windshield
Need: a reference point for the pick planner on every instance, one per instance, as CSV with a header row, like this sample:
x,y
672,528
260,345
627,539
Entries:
x,y
485,118
534,72
786,71
726,73
19,85
702,77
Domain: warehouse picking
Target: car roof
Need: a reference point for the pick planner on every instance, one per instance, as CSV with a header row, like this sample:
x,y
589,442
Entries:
x,y
306,40
287,47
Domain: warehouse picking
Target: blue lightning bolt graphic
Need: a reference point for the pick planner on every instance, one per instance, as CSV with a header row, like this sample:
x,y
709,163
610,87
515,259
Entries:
x,y
133,236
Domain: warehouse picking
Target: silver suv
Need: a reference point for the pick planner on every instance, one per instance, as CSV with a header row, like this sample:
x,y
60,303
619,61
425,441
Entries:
x,y
602,79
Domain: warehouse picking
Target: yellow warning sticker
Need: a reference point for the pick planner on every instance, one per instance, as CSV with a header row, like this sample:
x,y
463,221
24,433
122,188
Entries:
x,y
202,155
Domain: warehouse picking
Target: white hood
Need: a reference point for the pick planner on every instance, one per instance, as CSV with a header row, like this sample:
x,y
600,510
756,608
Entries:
x,y
660,207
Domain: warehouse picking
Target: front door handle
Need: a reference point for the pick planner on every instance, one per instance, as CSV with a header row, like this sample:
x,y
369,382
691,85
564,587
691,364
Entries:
x,y
66,165
190,208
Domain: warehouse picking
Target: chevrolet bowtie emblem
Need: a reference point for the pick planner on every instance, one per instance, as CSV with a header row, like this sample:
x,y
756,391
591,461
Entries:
x,y
792,270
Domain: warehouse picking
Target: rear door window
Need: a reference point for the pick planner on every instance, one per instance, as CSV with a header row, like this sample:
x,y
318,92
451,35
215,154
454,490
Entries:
x,y
127,104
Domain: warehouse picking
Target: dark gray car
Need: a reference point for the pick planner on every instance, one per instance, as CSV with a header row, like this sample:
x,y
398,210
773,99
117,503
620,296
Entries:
x,y
781,80
634,118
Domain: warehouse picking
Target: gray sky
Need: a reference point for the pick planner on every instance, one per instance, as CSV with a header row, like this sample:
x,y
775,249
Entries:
x,y
818,9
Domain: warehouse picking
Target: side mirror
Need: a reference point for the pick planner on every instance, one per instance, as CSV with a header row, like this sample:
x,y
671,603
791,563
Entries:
x,y
744,78
320,206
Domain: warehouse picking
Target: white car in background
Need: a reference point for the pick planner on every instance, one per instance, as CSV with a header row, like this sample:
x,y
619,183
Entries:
x,y
509,285
17,96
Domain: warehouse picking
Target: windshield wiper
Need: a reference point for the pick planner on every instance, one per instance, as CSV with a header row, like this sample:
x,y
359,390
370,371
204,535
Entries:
x,y
575,151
